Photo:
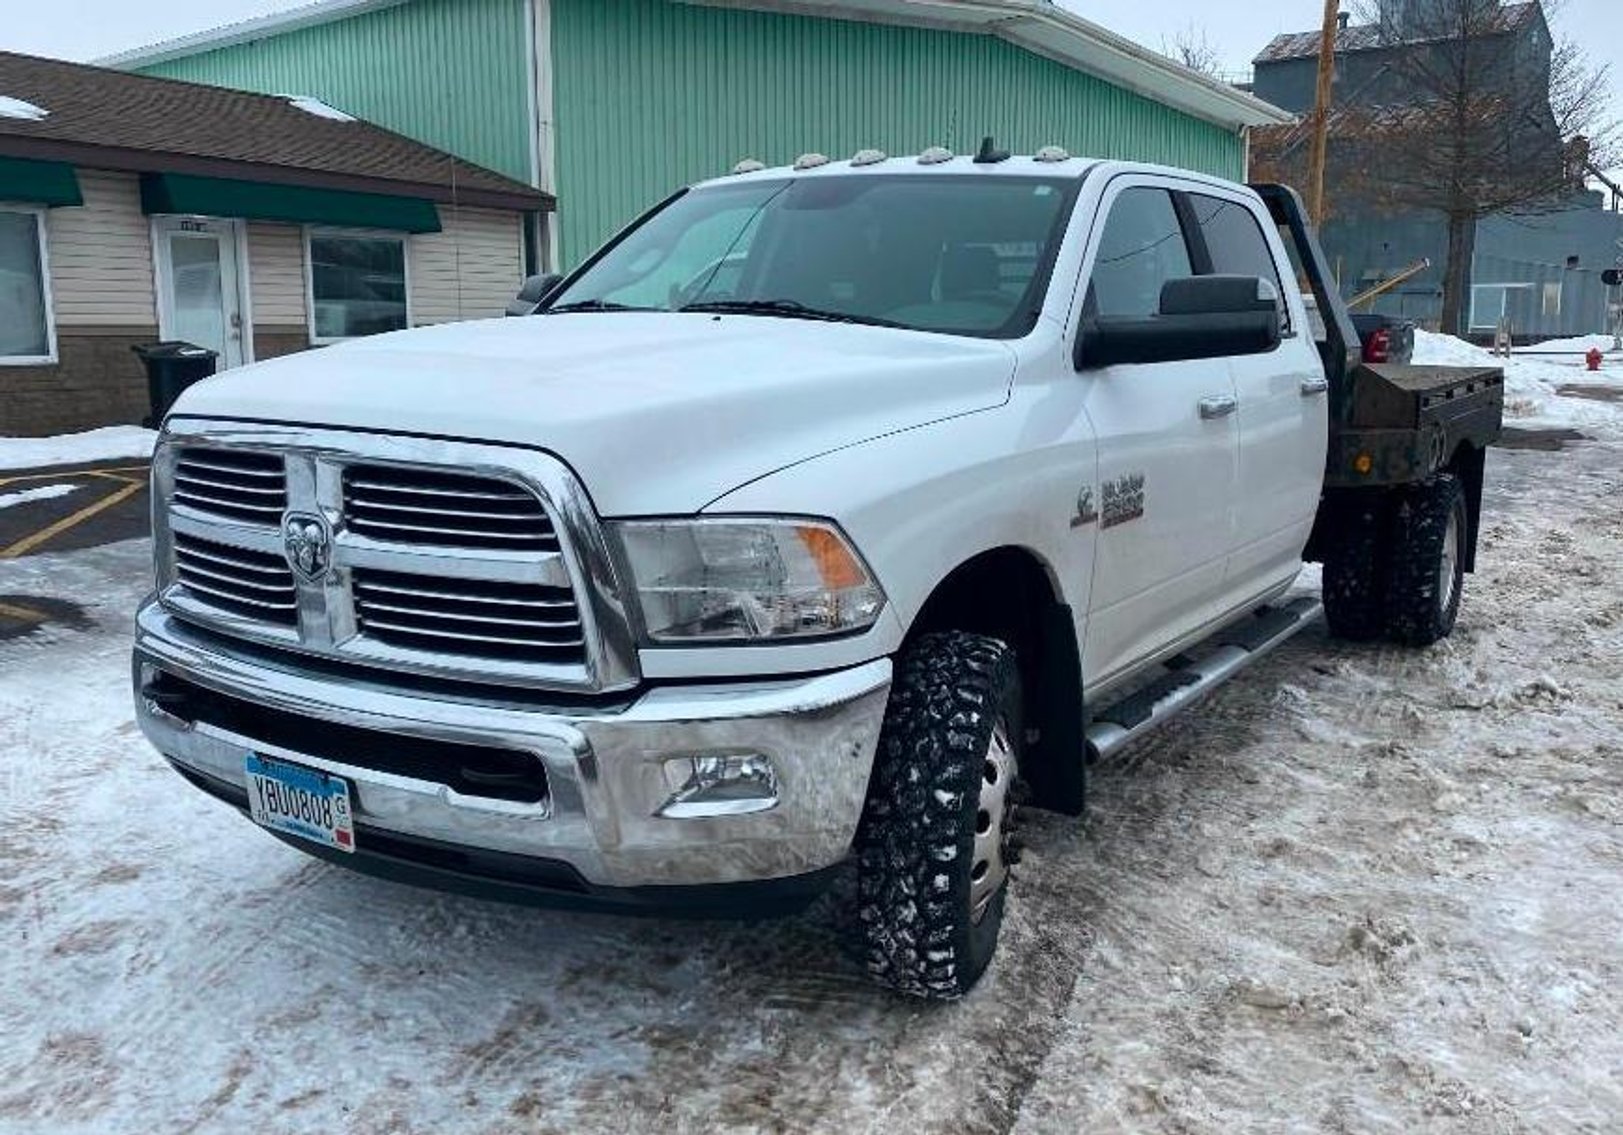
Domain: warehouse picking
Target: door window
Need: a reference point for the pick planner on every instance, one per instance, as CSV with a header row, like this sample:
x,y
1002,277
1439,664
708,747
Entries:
x,y
1234,239
1142,247
194,260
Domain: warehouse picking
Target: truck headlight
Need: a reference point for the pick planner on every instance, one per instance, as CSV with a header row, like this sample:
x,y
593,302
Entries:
x,y
746,580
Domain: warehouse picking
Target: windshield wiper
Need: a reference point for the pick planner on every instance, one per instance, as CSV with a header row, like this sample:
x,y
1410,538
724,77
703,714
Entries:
x,y
791,309
596,305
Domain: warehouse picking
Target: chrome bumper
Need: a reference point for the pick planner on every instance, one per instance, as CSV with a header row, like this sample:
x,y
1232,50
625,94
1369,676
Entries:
x,y
609,772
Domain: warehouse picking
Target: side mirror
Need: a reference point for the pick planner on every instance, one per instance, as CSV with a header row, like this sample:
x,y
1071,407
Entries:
x,y
1201,317
1612,277
535,290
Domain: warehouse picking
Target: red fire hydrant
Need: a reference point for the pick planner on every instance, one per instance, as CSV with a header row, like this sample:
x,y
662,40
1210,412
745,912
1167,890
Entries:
x,y
1592,358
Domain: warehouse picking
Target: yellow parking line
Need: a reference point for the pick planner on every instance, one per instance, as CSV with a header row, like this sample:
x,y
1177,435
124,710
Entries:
x,y
29,543
21,613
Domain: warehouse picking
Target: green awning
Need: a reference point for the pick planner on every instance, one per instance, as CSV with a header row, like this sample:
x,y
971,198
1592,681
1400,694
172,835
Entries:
x,y
39,183
299,204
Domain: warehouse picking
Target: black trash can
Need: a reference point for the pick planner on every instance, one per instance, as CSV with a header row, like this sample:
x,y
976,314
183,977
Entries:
x,y
171,368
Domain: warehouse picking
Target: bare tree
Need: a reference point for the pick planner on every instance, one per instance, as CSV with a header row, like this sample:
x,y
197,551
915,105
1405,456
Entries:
x,y
1193,48
1481,114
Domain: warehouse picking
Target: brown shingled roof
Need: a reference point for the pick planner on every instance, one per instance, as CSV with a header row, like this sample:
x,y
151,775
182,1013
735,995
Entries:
x,y
115,120
1365,37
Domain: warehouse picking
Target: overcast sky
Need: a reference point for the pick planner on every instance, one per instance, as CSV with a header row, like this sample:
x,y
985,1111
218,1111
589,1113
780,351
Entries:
x,y
1236,29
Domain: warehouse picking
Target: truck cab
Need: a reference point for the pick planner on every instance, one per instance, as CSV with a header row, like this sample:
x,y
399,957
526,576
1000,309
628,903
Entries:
x,y
819,517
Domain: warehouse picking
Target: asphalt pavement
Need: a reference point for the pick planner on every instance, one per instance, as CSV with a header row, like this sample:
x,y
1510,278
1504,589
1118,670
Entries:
x,y
65,509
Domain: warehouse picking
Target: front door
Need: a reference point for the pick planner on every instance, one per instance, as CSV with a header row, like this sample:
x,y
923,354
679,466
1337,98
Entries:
x,y
1168,451
199,289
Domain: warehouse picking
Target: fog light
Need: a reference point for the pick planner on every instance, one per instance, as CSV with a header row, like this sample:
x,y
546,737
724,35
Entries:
x,y
721,784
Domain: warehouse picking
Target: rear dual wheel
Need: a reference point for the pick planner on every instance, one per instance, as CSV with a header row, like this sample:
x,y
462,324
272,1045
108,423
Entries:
x,y
1396,563
1426,566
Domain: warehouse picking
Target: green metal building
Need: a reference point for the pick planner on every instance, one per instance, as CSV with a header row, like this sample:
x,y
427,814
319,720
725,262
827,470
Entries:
x,y
610,105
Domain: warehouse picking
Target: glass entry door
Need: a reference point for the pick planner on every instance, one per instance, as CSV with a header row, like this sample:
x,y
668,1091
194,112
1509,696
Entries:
x,y
199,299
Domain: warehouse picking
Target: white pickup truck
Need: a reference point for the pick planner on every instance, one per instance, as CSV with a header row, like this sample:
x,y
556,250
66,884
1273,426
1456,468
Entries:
x,y
817,519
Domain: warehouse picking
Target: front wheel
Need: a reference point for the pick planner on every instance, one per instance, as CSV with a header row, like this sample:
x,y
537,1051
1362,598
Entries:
x,y
933,847
1426,564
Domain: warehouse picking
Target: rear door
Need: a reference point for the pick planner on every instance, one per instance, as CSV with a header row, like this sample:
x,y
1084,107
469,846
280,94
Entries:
x,y
1283,414
1168,448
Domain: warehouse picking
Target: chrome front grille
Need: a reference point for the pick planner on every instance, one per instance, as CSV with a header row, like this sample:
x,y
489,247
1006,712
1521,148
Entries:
x,y
450,559
238,484
470,617
246,583
432,506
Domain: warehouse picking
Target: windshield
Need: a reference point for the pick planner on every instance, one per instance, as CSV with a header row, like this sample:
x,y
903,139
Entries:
x,y
955,254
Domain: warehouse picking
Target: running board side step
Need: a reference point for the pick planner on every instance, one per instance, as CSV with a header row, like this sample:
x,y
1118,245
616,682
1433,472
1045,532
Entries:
x,y
1186,682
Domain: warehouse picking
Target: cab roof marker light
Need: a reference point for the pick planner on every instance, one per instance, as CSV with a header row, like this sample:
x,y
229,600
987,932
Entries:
x,y
811,161
868,157
1052,154
935,155
749,165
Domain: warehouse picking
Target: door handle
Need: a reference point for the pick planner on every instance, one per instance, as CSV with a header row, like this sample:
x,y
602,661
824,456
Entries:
x,y
1220,406
1316,385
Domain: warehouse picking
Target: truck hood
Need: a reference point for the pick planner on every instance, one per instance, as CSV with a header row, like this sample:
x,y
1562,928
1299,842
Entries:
x,y
658,413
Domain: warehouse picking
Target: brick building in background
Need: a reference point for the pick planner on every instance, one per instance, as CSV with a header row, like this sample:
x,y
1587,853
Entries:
x,y
134,209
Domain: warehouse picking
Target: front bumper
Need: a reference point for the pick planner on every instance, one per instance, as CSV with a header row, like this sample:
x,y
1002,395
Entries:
x,y
607,770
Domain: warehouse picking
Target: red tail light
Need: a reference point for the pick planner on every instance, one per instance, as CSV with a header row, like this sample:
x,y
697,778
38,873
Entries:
x,y
1378,347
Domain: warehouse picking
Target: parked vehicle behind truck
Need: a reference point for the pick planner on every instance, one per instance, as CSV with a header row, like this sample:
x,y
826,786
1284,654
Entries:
x,y
815,520
1384,338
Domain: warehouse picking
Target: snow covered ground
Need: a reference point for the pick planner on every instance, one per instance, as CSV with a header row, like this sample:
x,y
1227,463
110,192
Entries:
x,y
1362,889
1533,382
106,444
40,493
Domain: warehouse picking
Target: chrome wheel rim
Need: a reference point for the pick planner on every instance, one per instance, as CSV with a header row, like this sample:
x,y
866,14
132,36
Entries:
x,y
1446,579
989,865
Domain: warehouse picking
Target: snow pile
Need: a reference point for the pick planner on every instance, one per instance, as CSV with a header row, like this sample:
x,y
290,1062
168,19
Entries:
x,y
43,493
109,443
1577,346
1533,385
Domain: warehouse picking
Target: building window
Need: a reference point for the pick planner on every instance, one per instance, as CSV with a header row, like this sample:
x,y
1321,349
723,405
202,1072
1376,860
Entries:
x,y
1488,303
1552,298
357,284
26,334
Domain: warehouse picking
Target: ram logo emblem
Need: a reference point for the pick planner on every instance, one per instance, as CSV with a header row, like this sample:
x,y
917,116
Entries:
x,y
1086,513
308,546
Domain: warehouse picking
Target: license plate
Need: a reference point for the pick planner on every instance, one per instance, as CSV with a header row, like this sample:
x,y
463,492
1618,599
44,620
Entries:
x,y
300,801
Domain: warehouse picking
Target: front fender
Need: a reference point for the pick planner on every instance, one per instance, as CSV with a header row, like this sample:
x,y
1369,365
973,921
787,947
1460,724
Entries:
x,y
920,502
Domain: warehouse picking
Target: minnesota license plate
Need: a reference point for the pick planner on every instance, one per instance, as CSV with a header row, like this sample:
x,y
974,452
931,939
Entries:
x,y
300,801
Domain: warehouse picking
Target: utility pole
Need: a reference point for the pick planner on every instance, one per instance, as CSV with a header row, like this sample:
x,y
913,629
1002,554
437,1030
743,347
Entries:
x,y
1321,107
